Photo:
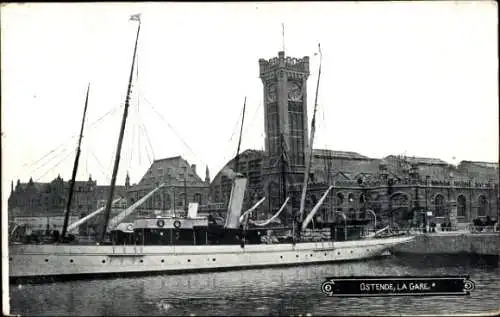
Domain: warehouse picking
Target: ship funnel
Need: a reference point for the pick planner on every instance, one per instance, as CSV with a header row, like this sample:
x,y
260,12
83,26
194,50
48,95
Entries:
x,y
235,203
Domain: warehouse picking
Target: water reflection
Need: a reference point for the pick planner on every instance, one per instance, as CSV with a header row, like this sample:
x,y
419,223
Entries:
x,y
279,291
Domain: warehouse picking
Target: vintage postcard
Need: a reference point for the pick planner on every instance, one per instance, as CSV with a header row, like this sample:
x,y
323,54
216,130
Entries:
x,y
253,158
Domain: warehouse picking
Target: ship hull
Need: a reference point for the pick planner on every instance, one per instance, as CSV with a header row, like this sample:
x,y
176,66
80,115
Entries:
x,y
38,262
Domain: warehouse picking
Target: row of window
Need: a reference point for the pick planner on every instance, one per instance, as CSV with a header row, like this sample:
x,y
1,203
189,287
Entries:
x,y
164,203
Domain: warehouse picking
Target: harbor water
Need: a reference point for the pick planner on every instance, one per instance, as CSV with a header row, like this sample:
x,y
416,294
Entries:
x,y
258,292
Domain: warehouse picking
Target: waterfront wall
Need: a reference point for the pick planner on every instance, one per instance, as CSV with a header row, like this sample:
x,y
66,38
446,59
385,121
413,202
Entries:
x,y
453,243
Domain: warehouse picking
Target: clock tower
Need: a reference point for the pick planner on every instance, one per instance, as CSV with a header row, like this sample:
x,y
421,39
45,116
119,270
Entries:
x,y
284,81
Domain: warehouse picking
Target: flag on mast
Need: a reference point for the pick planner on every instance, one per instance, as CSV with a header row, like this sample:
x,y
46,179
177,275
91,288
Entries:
x,y
283,34
135,17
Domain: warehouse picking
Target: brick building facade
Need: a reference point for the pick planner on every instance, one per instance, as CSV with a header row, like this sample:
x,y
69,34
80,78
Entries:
x,y
36,198
182,186
42,202
397,188
39,203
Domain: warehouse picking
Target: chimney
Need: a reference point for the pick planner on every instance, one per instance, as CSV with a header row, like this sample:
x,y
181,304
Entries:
x,y
193,167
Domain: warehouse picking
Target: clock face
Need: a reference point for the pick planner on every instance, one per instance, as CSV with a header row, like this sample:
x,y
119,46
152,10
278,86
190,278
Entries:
x,y
271,93
294,91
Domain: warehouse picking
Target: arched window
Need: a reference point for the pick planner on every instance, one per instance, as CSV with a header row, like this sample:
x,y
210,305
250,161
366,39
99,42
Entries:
x,y
340,199
461,206
399,212
439,206
350,198
351,214
273,190
158,201
197,198
481,212
167,201
180,201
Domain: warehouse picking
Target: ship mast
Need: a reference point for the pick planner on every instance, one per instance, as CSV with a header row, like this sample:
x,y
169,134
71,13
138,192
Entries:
x,y
283,167
185,191
75,168
237,161
309,158
237,158
135,17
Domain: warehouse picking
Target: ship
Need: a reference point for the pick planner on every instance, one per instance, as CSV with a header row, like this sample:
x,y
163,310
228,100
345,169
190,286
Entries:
x,y
181,244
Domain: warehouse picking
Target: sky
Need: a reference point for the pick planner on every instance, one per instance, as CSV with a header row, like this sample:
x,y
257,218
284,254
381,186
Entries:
x,y
416,78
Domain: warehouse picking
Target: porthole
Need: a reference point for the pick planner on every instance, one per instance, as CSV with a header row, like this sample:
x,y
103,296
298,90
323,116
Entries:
x,y
71,261
46,260
338,253
141,261
352,251
325,253
189,260
281,257
311,255
297,255
162,261
103,261
213,259
10,259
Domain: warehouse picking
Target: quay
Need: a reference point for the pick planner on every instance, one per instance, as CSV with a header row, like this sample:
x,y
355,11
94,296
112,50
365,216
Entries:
x,y
453,242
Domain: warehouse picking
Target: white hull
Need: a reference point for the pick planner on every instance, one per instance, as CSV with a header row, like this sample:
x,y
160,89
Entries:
x,y
67,260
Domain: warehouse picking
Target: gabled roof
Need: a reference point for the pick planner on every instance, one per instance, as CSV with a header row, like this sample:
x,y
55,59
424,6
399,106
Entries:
x,y
37,186
417,160
41,187
338,154
481,164
251,152
342,176
171,169
247,153
365,176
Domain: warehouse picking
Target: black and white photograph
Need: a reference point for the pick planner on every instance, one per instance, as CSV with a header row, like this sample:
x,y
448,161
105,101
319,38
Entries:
x,y
250,158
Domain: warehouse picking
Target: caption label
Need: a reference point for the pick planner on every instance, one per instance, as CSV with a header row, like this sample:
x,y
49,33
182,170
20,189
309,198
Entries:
x,y
398,286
